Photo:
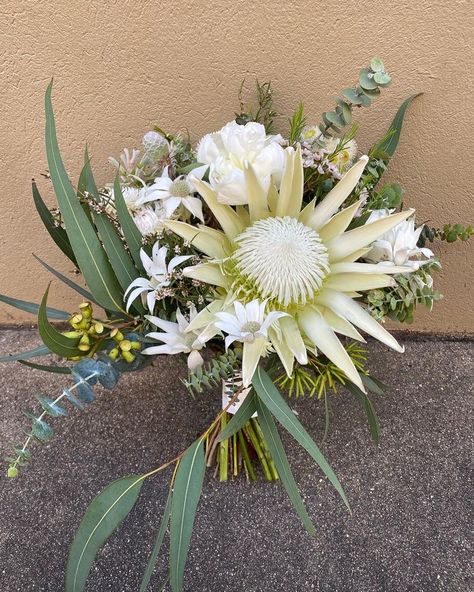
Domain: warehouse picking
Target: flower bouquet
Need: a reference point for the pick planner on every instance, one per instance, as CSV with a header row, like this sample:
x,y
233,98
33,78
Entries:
x,y
262,259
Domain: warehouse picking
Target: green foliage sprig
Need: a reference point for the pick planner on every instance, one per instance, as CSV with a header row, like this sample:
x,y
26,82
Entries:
x,y
212,373
399,302
371,80
86,373
449,233
264,113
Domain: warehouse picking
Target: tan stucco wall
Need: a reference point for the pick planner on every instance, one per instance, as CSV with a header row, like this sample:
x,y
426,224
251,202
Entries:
x,y
120,66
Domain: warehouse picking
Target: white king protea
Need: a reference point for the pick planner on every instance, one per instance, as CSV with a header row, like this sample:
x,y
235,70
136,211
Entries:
x,y
300,260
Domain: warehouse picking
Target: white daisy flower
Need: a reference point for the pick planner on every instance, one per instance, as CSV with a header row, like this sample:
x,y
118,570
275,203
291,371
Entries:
x,y
248,324
158,272
176,192
177,340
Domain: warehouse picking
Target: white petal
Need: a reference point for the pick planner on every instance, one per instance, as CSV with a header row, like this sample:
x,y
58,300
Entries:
x,y
225,215
291,334
157,349
177,261
328,343
167,326
208,273
208,240
256,194
347,267
360,237
195,360
194,205
252,352
170,204
344,306
339,324
338,223
284,352
205,316
336,197
350,282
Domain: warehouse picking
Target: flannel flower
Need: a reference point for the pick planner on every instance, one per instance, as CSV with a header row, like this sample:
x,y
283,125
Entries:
x,y
158,272
175,192
177,340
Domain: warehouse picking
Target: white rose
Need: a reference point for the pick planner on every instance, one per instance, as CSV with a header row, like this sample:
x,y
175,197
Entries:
x,y
398,245
226,152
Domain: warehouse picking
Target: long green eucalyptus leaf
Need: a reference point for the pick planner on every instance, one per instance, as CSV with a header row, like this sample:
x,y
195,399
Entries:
x,y
273,400
132,235
369,410
119,258
187,491
87,248
76,287
46,368
57,233
244,413
52,338
277,451
102,517
157,546
389,142
86,181
41,350
31,307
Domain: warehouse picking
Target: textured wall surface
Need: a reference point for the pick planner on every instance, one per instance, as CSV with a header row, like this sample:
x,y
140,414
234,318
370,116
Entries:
x,y
121,66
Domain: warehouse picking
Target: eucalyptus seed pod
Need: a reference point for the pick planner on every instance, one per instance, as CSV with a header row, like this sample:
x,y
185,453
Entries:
x,y
128,356
114,353
86,310
117,335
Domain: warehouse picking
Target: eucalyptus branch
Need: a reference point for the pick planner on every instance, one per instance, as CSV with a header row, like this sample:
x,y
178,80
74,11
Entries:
x,y
23,454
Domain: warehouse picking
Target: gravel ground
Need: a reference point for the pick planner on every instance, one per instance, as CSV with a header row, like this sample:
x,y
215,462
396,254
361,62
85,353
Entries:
x,y
411,496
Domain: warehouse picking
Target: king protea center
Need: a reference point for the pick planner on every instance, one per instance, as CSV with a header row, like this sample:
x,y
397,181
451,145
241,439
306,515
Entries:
x,y
298,261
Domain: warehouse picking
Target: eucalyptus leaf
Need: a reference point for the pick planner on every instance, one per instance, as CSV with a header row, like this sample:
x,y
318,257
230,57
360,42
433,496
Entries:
x,y
41,430
389,142
87,248
132,235
55,341
79,289
187,491
41,350
83,390
31,307
273,400
101,519
369,409
50,407
277,451
382,78
57,233
46,368
351,95
157,546
377,65
366,79
73,399
244,413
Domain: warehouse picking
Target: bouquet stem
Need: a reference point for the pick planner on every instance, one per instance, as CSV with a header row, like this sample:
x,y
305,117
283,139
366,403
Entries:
x,y
241,450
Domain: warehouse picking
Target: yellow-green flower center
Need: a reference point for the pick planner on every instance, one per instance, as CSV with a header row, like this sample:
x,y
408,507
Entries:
x,y
180,188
